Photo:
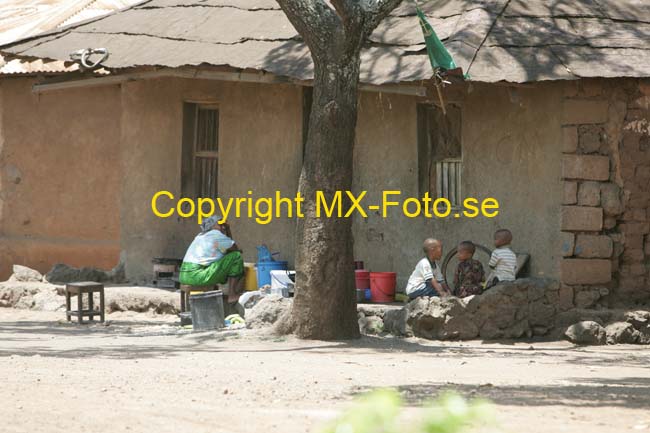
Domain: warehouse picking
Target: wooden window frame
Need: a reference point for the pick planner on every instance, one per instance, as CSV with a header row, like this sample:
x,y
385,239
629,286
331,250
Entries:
x,y
192,185
431,171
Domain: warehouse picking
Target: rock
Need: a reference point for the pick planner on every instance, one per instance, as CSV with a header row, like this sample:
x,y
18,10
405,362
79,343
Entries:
x,y
426,317
62,273
644,335
371,325
539,331
490,331
250,299
504,311
498,307
267,311
373,309
587,298
16,294
536,292
459,328
25,274
49,300
621,333
587,332
541,314
638,318
396,322
641,322
566,297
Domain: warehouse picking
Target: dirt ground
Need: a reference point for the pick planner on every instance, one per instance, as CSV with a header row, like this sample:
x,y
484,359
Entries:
x,y
143,373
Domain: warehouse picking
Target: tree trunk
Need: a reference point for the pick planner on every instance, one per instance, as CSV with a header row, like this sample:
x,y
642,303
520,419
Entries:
x,y
325,303
324,306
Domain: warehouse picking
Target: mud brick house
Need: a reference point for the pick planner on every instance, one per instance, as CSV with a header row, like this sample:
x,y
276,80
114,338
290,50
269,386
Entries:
x,y
40,186
553,122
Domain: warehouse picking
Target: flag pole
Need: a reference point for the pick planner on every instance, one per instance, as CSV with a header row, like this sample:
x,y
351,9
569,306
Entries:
x,y
438,80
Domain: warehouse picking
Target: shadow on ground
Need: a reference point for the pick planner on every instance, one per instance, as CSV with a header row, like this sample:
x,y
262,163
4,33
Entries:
x,y
629,392
123,340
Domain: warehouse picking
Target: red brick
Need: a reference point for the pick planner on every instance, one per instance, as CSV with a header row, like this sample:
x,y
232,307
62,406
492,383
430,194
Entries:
x,y
586,271
593,246
633,256
583,111
633,270
634,215
582,219
632,282
591,137
634,242
635,228
589,193
570,193
642,175
609,223
586,167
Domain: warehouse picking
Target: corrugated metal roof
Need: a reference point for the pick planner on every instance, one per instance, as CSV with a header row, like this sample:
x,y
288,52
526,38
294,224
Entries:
x,y
492,40
26,18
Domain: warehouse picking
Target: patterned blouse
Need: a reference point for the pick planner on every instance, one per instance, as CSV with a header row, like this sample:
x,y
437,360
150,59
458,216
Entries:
x,y
468,278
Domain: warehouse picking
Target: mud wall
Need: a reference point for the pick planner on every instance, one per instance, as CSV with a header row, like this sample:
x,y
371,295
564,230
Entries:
x,y
511,151
59,176
260,149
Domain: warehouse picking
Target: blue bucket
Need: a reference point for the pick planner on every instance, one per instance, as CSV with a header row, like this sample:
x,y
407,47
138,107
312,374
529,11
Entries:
x,y
264,270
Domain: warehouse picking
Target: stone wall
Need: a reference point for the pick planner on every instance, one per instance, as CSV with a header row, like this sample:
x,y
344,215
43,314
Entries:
x,y
528,307
606,177
524,308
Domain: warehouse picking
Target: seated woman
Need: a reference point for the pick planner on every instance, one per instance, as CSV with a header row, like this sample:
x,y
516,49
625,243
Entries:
x,y
214,258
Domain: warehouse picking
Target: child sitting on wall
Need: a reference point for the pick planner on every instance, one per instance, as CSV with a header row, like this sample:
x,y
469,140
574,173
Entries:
x,y
427,279
469,276
503,261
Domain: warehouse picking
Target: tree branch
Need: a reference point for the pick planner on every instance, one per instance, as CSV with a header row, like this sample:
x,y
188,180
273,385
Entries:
x,y
350,12
313,19
375,11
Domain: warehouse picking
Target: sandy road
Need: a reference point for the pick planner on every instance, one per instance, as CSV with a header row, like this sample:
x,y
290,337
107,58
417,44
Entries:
x,y
141,374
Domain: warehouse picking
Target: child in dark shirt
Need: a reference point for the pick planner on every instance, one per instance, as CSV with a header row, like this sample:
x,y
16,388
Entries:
x,y
469,276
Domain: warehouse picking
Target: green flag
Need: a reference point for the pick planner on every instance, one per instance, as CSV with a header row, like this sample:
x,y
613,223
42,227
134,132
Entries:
x,y
438,54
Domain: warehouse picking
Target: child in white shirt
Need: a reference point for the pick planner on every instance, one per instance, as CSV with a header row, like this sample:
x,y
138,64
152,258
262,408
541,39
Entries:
x,y
503,261
427,279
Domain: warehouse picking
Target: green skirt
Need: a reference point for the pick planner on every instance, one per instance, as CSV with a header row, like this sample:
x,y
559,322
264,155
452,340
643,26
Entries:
x,y
230,265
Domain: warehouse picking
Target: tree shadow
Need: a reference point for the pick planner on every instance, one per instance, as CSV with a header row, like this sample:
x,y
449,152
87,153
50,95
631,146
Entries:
x,y
500,40
629,392
99,341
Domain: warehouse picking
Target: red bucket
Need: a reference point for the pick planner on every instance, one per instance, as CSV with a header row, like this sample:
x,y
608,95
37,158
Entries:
x,y
382,286
362,279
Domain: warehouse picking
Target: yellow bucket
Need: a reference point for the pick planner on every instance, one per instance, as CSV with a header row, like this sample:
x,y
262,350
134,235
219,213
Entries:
x,y
250,275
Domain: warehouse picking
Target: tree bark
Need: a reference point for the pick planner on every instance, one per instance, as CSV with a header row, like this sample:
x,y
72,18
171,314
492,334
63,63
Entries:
x,y
324,306
325,302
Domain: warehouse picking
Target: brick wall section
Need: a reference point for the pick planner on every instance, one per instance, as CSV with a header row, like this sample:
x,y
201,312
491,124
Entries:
x,y
606,174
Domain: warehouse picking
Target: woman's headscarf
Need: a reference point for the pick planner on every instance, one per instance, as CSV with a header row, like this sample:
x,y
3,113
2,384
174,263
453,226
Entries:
x,y
209,223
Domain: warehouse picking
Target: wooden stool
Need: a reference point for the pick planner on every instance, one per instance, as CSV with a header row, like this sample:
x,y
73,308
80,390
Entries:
x,y
79,289
185,294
